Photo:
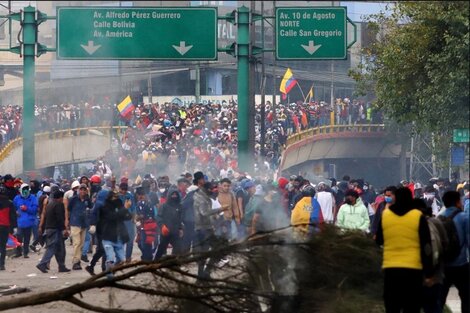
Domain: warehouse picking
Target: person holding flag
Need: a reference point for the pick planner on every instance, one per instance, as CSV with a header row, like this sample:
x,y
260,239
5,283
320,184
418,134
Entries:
x,y
126,107
288,82
309,96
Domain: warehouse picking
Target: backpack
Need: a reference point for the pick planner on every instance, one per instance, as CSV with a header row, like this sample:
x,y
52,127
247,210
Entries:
x,y
438,239
452,249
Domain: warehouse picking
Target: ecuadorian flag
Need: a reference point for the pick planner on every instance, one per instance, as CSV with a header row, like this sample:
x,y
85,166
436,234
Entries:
x,y
287,83
126,107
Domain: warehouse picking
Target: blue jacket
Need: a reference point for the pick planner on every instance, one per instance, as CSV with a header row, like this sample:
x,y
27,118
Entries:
x,y
79,211
128,196
26,218
461,223
93,218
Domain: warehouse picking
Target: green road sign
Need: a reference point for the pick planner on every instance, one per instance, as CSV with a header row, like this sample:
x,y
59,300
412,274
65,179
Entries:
x,y
137,33
461,135
313,33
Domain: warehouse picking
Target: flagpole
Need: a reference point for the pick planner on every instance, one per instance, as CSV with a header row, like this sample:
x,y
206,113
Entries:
x,y
297,83
305,99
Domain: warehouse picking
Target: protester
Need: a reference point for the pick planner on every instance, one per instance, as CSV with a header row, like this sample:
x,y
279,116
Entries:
x,y
204,228
114,233
353,214
54,232
26,208
382,203
78,208
7,223
170,220
231,217
307,215
146,225
407,253
125,195
457,270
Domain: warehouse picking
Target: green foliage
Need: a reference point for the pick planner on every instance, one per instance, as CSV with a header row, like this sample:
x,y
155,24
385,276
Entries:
x,y
419,66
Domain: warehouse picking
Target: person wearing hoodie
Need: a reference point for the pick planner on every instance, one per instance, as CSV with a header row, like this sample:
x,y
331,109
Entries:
x,y
145,216
9,182
7,223
124,195
169,218
26,208
307,215
97,230
353,214
407,253
456,272
114,232
204,228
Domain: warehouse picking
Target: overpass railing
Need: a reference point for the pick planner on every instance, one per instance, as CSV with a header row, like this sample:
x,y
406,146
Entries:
x,y
330,129
57,134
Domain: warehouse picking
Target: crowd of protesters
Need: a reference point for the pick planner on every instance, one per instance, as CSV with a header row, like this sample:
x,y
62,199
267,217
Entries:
x,y
181,133
54,117
164,213
176,214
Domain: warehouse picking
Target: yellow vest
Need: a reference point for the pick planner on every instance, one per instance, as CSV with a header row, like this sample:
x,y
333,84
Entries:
x,y
401,240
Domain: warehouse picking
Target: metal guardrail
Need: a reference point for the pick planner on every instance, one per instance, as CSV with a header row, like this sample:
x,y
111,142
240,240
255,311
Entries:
x,y
57,134
330,129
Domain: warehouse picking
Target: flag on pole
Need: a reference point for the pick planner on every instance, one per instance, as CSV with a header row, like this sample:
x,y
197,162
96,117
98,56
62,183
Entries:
x,y
287,83
126,107
309,95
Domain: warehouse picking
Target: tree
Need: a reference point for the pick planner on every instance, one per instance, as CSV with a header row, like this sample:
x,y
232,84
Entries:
x,y
418,66
333,271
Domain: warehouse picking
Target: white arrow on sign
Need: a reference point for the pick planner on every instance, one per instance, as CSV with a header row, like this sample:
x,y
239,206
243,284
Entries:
x,y
311,48
91,48
182,48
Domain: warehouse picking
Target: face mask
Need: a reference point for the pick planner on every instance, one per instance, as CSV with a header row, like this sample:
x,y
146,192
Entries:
x,y
348,201
25,193
388,199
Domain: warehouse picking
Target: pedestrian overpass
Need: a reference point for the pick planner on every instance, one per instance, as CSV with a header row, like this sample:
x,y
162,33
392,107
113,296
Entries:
x,y
361,151
60,147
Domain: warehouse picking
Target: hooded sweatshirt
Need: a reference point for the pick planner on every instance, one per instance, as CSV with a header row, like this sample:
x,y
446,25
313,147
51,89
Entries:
x,y
353,216
170,213
26,218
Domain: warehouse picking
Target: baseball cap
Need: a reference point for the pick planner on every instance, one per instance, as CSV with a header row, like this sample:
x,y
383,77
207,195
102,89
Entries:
x,y
248,184
83,186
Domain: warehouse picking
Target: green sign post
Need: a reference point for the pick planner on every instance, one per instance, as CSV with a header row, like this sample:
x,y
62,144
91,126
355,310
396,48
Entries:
x,y
137,33
461,135
313,33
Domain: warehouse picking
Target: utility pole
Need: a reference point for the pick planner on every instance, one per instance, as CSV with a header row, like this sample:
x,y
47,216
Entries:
x,y
149,87
263,88
274,67
252,85
243,47
197,90
29,44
